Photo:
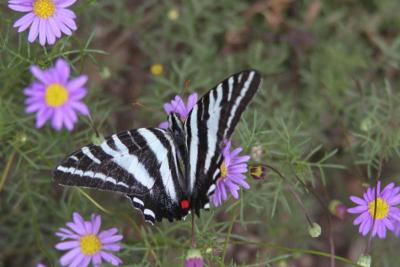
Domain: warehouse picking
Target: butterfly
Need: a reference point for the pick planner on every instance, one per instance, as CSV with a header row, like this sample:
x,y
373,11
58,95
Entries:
x,y
166,173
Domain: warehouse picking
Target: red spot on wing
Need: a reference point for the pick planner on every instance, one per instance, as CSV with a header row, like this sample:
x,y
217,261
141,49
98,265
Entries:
x,y
185,204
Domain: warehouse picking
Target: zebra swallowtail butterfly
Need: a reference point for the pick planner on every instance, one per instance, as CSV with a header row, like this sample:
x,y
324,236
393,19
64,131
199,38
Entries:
x,y
166,173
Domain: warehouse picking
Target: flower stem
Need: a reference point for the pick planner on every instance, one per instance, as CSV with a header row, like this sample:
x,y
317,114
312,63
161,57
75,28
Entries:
x,y
7,169
194,243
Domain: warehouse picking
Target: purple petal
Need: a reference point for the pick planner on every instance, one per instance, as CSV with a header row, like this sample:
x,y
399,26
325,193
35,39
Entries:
x,y
88,227
112,247
358,200
86,261
63,70
67,245
34,30
24,22
163,125
96,221
192,100
21,7
361,218
70,23
110,258
79,222
77,260
78,94
77,83
57,120
358,209
66,13
51,39
65,3
108,232
111,239
82,108
42,32
39,74
34,107
43,116
97,259
62,26
54,27
69,256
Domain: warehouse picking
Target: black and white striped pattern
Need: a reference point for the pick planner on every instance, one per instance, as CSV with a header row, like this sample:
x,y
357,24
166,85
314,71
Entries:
x,y
211,122
166,173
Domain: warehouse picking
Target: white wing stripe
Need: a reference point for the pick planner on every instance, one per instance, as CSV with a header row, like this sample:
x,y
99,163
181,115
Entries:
x,y
239,99
119,145
149,212
133,166
135,199
91,174
214,112
161,153
108,150
193,147
230,83
88,153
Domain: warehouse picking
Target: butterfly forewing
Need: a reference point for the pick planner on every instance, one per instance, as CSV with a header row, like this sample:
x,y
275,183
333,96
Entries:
x,y
141,163
209,123
166,173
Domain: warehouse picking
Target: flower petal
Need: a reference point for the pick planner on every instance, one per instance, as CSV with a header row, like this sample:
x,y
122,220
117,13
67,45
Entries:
x,y
67,245
69,256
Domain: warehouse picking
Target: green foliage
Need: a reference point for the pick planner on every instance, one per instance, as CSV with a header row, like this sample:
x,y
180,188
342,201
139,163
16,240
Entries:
x,y
326,116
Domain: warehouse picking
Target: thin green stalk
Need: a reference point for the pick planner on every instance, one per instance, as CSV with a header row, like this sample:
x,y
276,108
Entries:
x,y
7,169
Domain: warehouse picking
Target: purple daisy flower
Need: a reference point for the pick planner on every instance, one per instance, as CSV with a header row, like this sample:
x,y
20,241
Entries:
x,y
53,96
387,215
46,18
87,244
178,106
232,174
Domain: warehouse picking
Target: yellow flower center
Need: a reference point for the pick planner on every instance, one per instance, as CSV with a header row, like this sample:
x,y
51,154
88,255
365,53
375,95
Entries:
x,y
90,244
382,208
156,69
56,95
44,8
223,169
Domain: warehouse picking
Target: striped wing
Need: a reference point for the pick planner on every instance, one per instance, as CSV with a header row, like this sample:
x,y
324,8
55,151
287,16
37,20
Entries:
x,y
140,163
211,121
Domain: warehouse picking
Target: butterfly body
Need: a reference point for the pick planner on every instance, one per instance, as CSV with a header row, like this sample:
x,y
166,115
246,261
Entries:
x,y
166,173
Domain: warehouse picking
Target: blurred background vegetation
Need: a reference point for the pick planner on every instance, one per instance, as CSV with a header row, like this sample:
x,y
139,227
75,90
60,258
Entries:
x,y
327,113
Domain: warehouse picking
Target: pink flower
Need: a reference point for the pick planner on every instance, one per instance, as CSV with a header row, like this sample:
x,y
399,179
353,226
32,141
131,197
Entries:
x,y
232,175
194,259
178,106
46,19
386,214
54,96
87,244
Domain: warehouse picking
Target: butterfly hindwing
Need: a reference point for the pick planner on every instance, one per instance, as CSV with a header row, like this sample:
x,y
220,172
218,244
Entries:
x,y
211,121
166,173
141,163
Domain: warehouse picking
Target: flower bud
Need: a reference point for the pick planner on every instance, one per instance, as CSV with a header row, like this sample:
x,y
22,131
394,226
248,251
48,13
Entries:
x,y
364,260
314,230
194,258
338,209
173,14
97,140
257,172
